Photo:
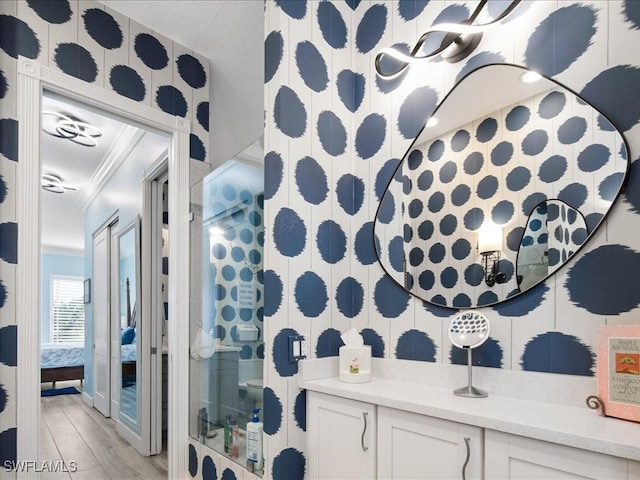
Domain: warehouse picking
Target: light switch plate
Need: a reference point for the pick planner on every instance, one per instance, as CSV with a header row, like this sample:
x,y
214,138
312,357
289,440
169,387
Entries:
x,y
297,348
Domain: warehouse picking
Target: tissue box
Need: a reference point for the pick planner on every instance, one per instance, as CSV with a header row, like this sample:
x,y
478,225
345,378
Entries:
x,y
355,364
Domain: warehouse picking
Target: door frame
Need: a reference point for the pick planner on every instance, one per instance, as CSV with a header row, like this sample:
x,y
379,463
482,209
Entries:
x,y
33,78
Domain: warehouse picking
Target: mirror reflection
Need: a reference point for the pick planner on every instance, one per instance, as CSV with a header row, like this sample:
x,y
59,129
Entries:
x,y
129,275
496,149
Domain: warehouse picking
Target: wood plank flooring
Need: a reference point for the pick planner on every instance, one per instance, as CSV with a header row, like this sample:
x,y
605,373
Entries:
x,y
71,431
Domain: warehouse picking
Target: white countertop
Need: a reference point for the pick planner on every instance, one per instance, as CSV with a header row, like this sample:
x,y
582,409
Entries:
x,y
569,425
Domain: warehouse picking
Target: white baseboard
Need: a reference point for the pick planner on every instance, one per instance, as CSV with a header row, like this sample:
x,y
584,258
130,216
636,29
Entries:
x,y
88,399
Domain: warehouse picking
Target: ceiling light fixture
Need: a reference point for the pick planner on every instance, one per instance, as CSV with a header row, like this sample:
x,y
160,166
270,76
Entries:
x,y
65,126
53,183
460,40
530,77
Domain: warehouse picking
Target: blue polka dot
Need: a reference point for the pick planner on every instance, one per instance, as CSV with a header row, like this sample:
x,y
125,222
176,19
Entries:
x,y
414,160
228,474
53,12
280,354
196,148
238,216
372,338
448,224
474,274
410,9
518,178
289,113
246,352
416,345
407,233
416,256
552,50
350,297
328,344
273,168
219,251
439,300
426,280
390,299
311,66
371,28
527,241
219,292
193,461
273,285
572,130
350,85
18,38
425,180
574,195
396,253
436,202
246,274
103,28
260,351
151,51
552,169
76,61
622,103
556,352
171,100
460,140
300,410
460,195
551,105
228,313
435,151
437,252
535,224
425,230
461,249
332,25
255,256
461,300
364,247
202,115
384,175
311,181
289,464
3,189
331,241
415,110
486,130
473,163
311,294
517,118
489,354
370,135
209,471
273,53
487,187
449,277
531,202
272,415
593,158
289,233
415,208
296,9
609,187
332,134
9,138
4,86
191,71
501,153
535,142
237,253
350,192
448,172
126,81
502,212
473,219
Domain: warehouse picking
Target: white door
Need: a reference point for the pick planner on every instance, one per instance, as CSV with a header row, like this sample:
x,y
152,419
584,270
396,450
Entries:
x,y
114,322
101,322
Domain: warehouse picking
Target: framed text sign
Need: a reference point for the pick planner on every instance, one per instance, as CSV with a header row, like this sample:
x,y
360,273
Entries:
x,y
619,370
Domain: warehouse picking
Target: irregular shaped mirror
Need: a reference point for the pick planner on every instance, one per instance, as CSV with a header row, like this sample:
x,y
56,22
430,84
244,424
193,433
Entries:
x,y
453,222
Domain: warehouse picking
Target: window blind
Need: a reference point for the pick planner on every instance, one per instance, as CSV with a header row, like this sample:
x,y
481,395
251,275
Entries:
x,y
67,310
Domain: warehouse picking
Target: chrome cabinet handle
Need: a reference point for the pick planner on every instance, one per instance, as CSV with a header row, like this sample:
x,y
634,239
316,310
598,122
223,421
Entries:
x,y
364,416
466,462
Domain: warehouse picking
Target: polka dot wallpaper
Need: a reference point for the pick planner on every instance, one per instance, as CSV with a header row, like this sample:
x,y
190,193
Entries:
x,y
100,46
322,276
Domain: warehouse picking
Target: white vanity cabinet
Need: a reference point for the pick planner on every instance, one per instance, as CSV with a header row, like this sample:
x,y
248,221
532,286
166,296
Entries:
x,y
413,446
341,438
515,457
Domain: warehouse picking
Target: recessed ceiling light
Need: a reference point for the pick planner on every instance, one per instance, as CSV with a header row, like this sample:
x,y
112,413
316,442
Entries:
x,y
64,126
530,77
53,183
432,122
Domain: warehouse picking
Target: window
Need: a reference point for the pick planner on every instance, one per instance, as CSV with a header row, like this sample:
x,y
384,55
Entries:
x,y
67,309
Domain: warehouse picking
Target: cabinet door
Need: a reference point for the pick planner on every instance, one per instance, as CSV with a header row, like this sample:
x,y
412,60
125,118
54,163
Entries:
x,y
341,436
416,446
515,457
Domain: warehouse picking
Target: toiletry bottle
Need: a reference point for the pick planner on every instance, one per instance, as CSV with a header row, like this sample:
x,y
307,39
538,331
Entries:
x,y
254,442
227,433
234,447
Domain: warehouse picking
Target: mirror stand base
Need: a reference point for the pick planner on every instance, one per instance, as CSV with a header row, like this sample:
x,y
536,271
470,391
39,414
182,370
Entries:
x,y
470,392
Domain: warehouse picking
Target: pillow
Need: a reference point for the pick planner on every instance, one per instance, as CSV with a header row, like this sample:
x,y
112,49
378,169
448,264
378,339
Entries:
x,y
128,335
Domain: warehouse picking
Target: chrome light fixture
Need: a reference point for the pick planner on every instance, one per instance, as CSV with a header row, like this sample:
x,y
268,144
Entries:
x,y
489,246
64,126
460,41
51,182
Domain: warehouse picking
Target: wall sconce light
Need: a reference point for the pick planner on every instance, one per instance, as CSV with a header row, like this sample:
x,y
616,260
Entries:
x,y
460,40
489,246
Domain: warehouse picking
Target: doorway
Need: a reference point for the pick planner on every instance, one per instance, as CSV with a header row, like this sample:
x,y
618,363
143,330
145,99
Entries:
x,y
31,84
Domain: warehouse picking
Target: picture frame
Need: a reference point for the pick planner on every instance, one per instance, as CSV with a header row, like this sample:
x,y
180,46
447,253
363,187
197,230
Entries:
x,y
87,291
618,370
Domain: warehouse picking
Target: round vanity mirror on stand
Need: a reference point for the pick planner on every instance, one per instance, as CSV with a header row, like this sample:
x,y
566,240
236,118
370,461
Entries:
x,y
468,330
